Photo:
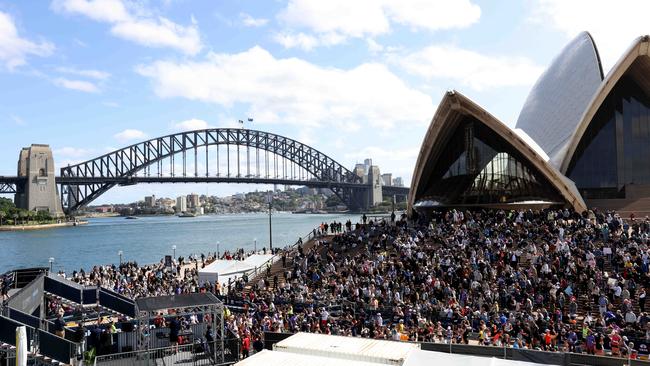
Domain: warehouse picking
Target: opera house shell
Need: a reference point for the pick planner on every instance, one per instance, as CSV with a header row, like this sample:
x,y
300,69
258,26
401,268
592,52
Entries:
x,y
593,132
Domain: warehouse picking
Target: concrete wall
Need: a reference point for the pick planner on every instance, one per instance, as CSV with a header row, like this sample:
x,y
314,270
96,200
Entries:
x,y
374,179
37,164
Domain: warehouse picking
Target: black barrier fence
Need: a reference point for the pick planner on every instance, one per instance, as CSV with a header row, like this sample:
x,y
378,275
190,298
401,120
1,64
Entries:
x,y
26,319
541,357
22,277
89,296
271,338
56,347
64,289
8,331
116,302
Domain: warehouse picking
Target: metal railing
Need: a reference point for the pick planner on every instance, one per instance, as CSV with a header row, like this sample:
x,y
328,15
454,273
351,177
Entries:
x,y
193,354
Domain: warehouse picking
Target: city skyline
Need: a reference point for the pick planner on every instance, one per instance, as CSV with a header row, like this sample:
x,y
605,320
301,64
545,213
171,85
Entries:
x,y
361,85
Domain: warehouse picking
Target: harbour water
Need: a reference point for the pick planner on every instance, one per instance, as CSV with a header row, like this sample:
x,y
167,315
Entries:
x,y
148,239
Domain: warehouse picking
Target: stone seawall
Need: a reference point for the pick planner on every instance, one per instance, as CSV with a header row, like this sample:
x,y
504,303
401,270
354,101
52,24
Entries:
x,y
40,227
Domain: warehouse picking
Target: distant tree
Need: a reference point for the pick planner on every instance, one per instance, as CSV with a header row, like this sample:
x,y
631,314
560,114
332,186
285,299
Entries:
x,y
2,216
43,216
333,200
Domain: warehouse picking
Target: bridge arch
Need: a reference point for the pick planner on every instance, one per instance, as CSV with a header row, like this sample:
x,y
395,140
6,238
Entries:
x,y
83,182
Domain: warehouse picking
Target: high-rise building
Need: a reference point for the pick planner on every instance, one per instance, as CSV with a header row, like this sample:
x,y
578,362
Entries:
x,y
360,170
181,204
398,182
387,179
193,200
150,201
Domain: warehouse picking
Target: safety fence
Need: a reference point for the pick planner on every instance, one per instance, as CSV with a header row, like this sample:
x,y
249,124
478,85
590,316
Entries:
x,y
197,353
7,356
44,343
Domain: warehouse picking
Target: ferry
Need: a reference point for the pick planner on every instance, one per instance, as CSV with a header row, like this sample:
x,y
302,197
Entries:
x,y
131,217
186,214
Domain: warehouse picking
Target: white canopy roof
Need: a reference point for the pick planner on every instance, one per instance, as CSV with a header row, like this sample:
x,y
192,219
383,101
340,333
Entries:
x,y
271,358
225,267
348,348
427,358
257,260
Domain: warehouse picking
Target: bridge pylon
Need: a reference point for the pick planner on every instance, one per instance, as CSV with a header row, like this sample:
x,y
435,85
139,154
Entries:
x,y
39,191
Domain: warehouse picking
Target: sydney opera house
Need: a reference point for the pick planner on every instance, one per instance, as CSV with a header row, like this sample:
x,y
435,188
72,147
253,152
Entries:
x,y
582,140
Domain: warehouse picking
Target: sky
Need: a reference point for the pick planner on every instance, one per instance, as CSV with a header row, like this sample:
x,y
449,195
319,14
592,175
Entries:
x,y
355,79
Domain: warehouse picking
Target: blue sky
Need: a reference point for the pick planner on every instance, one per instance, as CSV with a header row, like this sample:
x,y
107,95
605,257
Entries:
x,y
354,79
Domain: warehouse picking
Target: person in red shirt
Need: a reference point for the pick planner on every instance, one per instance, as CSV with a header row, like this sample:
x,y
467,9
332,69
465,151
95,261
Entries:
x,y
245,346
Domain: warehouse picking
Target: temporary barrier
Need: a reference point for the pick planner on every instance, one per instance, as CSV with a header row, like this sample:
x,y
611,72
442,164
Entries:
x,y
56,347
26,319
8,331
66,289
116,302
89,295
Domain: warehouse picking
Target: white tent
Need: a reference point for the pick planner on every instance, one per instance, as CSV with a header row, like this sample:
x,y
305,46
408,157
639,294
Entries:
x,y
258,260
427,358
221,270
348,348
272,358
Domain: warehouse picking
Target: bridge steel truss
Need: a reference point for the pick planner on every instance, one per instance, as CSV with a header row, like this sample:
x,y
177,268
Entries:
x,y
84,182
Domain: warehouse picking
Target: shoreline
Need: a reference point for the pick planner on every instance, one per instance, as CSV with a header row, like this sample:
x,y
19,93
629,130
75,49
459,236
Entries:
x,y
41,226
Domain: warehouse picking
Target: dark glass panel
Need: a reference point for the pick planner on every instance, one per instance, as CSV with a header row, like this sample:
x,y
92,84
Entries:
x,y
477,166
596,167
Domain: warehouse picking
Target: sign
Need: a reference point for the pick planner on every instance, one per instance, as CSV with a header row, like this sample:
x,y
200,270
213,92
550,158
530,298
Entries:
x,y
168,261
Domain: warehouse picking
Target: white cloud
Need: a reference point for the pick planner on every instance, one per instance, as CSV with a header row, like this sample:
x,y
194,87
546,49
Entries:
x,y
79,85
361,18
292,91
248,20
373,46
135,25
470,68
93,74
130,134
191,125
15,49
614,25
303,41
109,11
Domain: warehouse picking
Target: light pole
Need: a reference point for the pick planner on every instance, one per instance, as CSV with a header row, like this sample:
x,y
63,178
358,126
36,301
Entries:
x,y
217,250
120,254
270,199
255,241
51,260
174,249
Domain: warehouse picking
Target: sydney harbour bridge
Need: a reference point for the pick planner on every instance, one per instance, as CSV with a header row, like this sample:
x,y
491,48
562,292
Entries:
x,y
218,155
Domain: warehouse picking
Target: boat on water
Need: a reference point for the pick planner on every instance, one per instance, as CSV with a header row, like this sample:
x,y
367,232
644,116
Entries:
x,y
186,214
131,217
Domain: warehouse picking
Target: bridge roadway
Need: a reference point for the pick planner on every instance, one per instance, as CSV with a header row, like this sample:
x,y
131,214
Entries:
x,y
8,184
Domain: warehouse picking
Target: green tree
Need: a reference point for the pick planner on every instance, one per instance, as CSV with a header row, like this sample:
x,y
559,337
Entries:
x,y
2,216
43,216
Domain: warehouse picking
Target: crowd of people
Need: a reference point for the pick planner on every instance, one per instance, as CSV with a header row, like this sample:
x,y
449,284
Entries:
x,y
548,280
551,280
